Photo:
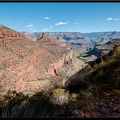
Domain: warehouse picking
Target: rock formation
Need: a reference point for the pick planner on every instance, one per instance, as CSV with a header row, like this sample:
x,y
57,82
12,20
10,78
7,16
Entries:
x,y
105,51
25,65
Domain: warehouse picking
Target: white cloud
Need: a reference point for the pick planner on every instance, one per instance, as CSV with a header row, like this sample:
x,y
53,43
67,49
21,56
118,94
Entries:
x,y
61,23
76,23
116,19
46,18
112,19
30,25
45,30
109,19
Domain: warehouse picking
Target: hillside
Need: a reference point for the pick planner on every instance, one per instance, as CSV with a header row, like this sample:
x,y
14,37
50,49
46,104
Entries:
x,y
98,94
26,65
84,95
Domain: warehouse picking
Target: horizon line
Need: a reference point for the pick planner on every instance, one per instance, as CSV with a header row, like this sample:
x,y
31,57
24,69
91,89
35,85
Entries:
x,y
69,32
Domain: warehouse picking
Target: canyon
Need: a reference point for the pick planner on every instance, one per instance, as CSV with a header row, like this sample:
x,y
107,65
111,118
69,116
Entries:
x,y
27,66
48,64
77,41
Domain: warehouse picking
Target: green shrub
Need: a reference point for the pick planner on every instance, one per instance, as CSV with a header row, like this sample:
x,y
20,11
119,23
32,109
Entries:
x,y
75,96
60,97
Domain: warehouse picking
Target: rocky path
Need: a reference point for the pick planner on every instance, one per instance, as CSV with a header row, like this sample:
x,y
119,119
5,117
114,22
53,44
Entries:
x,y
106,107
109,106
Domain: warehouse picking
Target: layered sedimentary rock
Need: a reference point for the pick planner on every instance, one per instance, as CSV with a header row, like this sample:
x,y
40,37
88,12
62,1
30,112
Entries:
x,y
103,52
23,62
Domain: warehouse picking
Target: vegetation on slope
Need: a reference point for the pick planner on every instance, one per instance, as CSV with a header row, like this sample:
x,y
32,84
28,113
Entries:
x,y
81,99
102,81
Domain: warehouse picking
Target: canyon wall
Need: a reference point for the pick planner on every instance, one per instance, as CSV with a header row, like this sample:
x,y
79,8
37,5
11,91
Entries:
x,y
26,65
105,51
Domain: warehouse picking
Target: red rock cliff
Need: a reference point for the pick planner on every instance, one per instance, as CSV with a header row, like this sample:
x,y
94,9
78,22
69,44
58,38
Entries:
x,y
24,62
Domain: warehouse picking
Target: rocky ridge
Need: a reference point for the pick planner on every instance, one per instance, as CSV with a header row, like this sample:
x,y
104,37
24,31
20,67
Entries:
x,y
26,65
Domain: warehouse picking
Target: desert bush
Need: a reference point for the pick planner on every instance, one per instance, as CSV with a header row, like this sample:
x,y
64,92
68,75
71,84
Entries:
x,y
75,96
60,97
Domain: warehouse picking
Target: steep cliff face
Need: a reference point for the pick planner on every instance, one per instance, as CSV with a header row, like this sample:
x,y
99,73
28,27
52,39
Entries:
x,y
107,47
103,52
61,54
99,50
23,62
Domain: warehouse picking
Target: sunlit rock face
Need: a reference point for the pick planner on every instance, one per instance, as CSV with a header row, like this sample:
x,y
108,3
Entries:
x,y
24,62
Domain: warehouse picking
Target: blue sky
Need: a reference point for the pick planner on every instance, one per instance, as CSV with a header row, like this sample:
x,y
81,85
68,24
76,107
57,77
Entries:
x,y
61,17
